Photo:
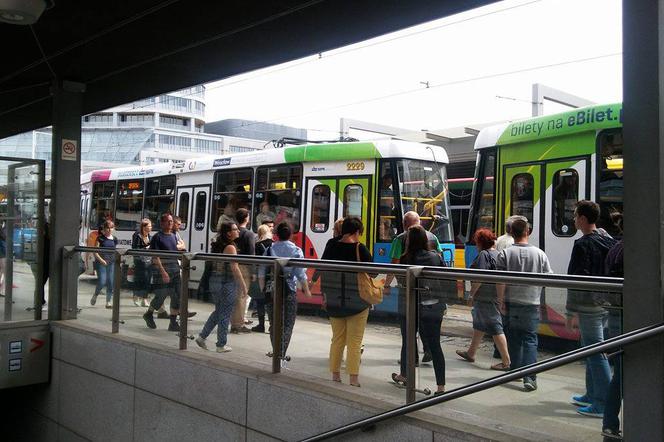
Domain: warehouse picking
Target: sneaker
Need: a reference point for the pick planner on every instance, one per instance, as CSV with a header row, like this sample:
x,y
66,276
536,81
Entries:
x,y
581,401
590,411
137,302
258,329
191,314
163,315
427,357
224,349
149,320
612,434
201,343
109,305
530,384
146,302
174,326
93,300
242,329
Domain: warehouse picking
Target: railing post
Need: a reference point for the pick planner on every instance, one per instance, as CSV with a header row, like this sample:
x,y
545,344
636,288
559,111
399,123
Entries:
x,y
184,299
66,310
411,330
277,322
117,282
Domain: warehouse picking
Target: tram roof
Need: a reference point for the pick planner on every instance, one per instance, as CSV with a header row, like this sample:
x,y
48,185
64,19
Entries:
x,y
589,118
354,151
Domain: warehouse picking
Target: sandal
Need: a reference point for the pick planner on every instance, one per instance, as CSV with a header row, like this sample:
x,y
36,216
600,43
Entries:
x,y
500,367
464,355
398,379
355,385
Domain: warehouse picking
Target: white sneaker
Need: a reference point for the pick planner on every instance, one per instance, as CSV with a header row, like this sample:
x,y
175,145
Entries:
x,y
109,305
201,343
137,302
224,349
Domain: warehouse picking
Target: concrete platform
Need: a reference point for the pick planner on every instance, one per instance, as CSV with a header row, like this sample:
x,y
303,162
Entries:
x,y
503,413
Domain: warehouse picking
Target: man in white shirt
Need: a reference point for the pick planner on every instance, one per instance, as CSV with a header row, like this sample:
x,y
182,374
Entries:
x,y
506,240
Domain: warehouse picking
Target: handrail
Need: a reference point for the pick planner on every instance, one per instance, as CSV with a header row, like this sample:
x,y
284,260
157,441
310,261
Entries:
x,y
574,282
538,367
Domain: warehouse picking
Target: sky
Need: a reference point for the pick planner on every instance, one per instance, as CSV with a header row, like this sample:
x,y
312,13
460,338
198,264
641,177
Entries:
x,y
468,60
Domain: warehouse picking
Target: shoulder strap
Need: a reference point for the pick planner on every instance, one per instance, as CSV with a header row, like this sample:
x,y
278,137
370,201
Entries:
x,y
357,252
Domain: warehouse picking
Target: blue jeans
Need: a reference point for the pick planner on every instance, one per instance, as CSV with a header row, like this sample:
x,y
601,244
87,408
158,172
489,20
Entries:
x,y
598,373
521,334
105,278
223,295
614,393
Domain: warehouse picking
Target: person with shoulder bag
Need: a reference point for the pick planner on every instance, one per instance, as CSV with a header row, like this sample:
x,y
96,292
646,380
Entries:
x,y
142,264
105,263
430,305
347,310
257,294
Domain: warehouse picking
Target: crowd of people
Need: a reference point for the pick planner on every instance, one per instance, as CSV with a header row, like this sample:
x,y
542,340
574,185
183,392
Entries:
x,y
509,313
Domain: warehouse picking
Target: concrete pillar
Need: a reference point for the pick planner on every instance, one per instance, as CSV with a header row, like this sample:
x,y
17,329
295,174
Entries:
x,y
643,88
65,196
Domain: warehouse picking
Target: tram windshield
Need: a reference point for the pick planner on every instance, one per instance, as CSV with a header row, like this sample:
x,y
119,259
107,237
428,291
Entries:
x,y
423,186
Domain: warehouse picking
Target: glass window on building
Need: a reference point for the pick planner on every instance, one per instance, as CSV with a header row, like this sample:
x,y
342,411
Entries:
x,y
232,190
103,203
423,187
610,179
522,196
278,195
565,187
388,223
129,205
320,208
159,197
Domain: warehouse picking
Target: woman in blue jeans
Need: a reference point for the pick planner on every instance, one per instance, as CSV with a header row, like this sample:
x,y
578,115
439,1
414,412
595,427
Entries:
x,y
224,279
105,263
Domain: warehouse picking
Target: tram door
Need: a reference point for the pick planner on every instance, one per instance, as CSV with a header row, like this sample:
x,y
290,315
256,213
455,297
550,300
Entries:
x,y
329,199
566,184
522,196
193,209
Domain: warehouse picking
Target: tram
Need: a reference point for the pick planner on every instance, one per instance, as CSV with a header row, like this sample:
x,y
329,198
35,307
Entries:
x,y
309,185
539,168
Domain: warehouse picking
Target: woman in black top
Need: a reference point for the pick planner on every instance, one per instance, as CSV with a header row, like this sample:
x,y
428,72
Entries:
x,y
348,312
484,298
105,263
264,242
430,306
142,264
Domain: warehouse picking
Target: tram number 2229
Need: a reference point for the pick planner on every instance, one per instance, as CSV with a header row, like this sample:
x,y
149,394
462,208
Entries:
x,y
359,165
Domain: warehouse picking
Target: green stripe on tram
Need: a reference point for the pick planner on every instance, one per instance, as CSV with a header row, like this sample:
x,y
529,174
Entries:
x,y
331,152
567,123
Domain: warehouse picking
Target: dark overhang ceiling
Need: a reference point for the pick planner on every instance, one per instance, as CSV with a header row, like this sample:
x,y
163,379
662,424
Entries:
x,y
123,50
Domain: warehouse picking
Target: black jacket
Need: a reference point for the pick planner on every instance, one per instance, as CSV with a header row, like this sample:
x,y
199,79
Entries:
x,y
588,259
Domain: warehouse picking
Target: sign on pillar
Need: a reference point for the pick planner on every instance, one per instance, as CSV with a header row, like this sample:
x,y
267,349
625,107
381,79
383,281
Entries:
x,y
69,150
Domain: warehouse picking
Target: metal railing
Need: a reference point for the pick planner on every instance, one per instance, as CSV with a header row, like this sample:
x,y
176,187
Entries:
x,y
410,275
529,370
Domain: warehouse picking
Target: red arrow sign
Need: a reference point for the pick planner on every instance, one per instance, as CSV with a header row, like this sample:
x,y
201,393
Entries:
x,y
39,344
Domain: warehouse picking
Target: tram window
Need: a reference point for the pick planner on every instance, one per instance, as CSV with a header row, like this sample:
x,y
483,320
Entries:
x,y
278,195
159,197
183,209
129,204
353,200
611,179
320,208
232,190
522,196
388,225
484,217
565,187
423,187
199,215
103,203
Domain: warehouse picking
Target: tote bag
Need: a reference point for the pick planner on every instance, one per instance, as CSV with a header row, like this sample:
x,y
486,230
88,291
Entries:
x,y
369,291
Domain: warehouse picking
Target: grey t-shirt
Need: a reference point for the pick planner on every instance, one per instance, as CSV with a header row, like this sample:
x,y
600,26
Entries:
x,y
523,258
